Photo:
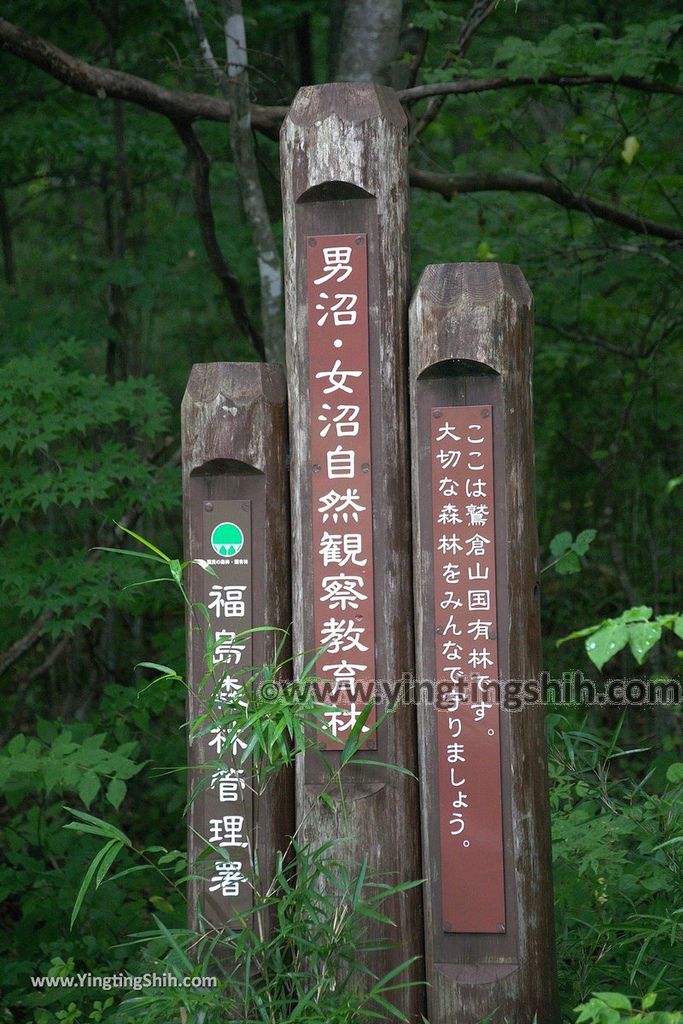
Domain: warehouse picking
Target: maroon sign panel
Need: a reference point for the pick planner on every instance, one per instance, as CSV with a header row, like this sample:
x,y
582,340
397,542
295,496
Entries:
x,y
341,477
227,821
468,734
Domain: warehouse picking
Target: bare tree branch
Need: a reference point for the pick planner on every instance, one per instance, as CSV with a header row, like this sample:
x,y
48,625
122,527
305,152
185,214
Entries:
x,y
461,88
235,86
575,336
182,108
201,192
476,16
108,82
449,185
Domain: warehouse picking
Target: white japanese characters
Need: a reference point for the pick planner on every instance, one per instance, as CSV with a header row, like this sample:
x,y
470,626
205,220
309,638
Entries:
x,y
464,581
227,797
341,475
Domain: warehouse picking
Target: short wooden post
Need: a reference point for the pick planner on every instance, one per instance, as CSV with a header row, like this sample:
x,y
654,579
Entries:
x,y
485,817
235,499
345,195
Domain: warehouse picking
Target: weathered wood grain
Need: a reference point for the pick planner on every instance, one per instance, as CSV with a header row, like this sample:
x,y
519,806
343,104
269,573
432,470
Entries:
x,y
471,343
234,435
343,152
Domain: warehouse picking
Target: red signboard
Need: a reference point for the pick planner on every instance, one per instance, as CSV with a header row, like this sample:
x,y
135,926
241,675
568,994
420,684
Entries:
x,y
226,821
468,728
341,477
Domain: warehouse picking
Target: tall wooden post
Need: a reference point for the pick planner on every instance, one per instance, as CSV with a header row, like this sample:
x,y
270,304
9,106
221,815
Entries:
x,y
485,819
236,497
345,195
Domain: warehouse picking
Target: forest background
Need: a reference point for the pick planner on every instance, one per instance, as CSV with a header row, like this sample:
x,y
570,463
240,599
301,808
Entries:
x,y
140,227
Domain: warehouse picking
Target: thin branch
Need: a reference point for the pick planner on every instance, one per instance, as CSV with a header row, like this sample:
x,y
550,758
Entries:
x,y
207,227
110,83
449,185
476,16
205,50
574,335
190,106
460,88
235,86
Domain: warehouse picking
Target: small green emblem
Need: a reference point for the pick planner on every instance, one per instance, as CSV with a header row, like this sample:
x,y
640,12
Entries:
x,y
227,539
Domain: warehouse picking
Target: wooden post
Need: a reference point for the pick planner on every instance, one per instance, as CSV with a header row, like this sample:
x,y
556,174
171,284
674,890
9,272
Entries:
x,y
235,499
345,195
485,819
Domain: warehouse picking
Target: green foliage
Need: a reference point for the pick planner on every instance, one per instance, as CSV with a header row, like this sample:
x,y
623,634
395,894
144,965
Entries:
x,y
636,627
73,450
618,861
614,1008
305,967
54,760
568,552
589,47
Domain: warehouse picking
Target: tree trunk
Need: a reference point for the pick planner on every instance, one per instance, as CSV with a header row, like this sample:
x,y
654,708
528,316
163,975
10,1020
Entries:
x,y
369,40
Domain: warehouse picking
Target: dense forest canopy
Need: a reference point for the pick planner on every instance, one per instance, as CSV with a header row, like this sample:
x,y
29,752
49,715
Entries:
x,y
140,226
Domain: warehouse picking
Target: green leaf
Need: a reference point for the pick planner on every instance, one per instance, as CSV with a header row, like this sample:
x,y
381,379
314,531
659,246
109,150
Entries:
x,y
630,149
584,541
157,668
97,826
615,1000
87,879
649,1000
641,611
116,791
107,861
170,938
577,634
642,636
560,543
484,252
674,773
129,554
568,563
161,903
328,801
141,540
355,737
88,788
607,642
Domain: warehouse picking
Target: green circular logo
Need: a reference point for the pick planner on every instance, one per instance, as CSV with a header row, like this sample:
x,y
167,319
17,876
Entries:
x,y
227,539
